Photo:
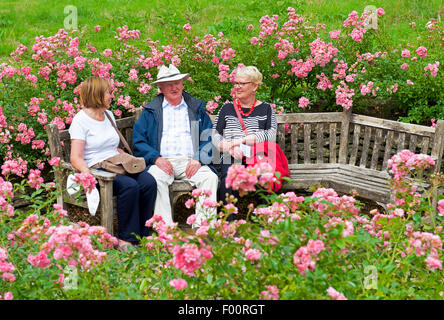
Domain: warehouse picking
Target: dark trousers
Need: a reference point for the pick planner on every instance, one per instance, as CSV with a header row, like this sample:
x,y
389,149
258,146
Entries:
x,y
223,190
136,195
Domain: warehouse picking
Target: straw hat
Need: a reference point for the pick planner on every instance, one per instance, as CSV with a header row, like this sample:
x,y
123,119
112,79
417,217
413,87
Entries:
x,y
169,74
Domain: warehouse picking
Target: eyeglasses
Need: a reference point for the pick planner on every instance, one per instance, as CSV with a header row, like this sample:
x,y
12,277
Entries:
x,y
240,84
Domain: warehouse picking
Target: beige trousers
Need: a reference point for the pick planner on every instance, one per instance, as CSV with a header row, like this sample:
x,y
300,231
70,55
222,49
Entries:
x,y
204,179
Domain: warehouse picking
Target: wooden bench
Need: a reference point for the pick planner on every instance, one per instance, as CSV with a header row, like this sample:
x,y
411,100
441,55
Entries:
x,y
350,152
339,150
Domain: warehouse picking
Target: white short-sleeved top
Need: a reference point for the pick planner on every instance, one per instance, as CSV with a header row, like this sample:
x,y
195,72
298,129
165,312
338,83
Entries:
x,y
101,139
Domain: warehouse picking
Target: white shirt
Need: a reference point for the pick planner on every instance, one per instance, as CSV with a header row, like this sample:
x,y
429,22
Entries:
x,y
101,139
176,133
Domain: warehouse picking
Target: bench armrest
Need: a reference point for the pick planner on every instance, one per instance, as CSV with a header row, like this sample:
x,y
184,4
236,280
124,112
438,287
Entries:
x,y
98,174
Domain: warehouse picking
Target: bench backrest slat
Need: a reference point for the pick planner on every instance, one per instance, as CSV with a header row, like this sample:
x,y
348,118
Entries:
x,y
294,129
307,142
376,148
354,151
319,142
333,141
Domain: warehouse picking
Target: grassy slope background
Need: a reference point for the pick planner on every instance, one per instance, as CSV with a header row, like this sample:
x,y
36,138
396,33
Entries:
x,y
22,20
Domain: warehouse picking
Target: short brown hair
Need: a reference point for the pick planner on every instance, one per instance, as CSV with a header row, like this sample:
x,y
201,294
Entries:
x,y
92,92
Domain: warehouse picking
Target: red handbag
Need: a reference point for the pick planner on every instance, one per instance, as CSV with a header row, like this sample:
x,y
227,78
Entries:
x,y
270,151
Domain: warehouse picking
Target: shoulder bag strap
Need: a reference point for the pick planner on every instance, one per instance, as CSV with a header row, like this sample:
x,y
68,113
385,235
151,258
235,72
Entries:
x,y
241,120
119,133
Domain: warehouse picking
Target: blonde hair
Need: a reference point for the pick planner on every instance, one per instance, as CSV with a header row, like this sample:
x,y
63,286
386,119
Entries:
x,y
92,92
252,73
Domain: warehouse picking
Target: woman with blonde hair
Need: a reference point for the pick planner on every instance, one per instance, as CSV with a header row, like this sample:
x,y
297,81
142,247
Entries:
x,y
94,139
244,122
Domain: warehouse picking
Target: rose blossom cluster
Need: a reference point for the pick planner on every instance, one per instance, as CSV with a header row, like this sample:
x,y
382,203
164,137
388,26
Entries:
x,y
335,294
6,268
306,256
241,178
73,244
441,207
178,284
189,257
271,293
422,242
433,68
276,213
125,34
86,180
34,179
322,52
344,95
5,194
336,206
406,161
301,68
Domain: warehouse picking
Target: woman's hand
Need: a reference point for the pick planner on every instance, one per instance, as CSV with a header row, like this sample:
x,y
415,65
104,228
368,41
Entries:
x,y
226,146
236,152
250,139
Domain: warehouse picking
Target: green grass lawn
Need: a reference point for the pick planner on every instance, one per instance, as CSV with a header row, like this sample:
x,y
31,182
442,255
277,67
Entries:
x,y
22,20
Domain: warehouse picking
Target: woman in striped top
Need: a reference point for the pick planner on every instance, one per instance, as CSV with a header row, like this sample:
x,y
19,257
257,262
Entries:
x,y
258,117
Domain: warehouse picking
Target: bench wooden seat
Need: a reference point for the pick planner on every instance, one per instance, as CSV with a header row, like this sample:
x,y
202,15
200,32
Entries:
x,y
339,150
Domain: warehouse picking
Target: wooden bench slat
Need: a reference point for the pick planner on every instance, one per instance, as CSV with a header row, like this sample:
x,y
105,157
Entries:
x,y
376,147
365,146
319,142
307,143
388,148
354,153
333,143
294,143
412,142
392,125
280,135
425,145
309,117
401,141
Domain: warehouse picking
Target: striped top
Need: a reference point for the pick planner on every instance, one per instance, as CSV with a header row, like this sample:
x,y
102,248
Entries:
x,y
261,122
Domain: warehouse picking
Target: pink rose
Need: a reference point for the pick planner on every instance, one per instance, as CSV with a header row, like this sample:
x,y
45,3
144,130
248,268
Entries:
x,y
334,34
303,102
253,254
421,51
178,284
380,12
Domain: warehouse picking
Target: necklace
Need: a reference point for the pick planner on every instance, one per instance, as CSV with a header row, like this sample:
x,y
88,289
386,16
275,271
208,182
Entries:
x,y
239,107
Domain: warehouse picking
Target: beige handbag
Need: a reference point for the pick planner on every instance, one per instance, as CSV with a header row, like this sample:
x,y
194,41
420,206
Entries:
x,y
123,163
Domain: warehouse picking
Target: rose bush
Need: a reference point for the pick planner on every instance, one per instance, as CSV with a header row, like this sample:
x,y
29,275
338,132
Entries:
x,y
321,246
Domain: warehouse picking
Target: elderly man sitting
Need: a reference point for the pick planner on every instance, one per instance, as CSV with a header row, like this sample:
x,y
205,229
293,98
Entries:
x,y
168,135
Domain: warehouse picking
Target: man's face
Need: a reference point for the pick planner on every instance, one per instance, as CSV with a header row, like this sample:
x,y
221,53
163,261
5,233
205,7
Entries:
x,y
172,90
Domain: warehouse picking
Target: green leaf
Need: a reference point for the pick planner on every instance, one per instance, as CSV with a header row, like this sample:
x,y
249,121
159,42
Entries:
x,y
417,218
210,279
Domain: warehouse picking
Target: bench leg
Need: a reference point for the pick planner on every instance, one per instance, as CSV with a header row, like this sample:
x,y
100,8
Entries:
x,y
106,205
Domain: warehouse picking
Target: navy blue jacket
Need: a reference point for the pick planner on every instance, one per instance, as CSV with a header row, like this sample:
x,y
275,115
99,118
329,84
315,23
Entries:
x,y
147,131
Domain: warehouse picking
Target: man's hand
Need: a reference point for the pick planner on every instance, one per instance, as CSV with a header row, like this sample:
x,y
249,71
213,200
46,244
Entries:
x,y
192,168
164,165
